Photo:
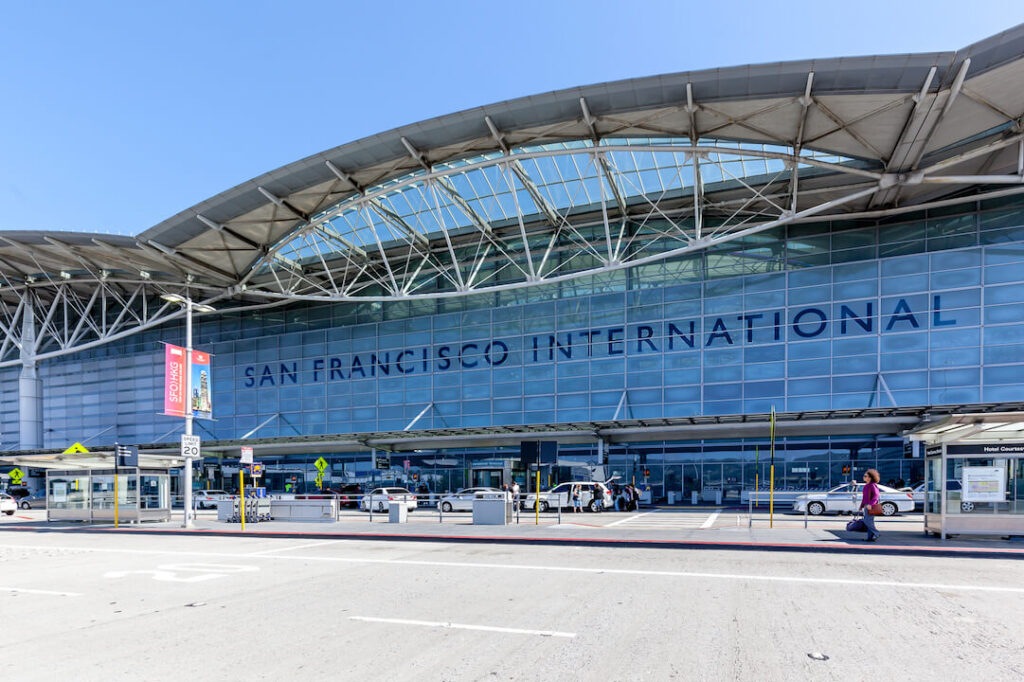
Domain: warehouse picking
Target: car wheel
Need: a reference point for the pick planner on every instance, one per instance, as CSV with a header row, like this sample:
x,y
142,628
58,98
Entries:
x,y
967,506
593,506
815,509
544,506
446,506
889,509
9,513
26,505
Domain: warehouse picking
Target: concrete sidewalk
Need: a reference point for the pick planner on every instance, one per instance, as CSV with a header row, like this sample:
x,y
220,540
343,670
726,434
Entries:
x,y
899,536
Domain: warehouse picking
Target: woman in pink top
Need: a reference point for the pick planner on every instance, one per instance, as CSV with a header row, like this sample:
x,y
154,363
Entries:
x,y
870,497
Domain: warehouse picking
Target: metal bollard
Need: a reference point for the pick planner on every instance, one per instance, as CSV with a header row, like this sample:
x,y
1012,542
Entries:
x,y
559,513
750,509
806,506
369,506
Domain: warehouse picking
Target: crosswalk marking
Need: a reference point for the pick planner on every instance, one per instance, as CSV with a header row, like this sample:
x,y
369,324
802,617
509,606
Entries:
x,y
667,520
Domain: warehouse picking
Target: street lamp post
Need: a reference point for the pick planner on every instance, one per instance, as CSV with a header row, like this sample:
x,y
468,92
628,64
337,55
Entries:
x,y
189,306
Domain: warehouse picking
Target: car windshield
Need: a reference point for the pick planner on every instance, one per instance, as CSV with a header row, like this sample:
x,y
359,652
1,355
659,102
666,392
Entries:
x,y
842,489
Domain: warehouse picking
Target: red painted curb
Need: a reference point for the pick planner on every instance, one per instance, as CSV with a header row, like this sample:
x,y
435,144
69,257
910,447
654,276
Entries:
x,y
860,548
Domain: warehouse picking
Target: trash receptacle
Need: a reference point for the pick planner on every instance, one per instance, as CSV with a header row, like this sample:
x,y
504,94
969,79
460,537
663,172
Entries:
x,y
398,511
671,497
491,509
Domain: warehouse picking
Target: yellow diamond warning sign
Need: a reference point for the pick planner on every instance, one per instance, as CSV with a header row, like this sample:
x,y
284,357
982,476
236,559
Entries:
x,y
320,464
16,475
76,449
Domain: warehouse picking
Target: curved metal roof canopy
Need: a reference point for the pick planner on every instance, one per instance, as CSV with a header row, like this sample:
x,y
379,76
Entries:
x,y
547,188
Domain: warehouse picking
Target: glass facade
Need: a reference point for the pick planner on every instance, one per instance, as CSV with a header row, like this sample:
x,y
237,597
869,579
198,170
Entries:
x,y
924,310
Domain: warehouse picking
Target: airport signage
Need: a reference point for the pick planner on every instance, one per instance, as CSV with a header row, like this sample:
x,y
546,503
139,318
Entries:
x,y
747,328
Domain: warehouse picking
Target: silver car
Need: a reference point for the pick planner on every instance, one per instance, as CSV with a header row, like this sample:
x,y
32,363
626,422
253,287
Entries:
x,y
846,498
463,499
381,499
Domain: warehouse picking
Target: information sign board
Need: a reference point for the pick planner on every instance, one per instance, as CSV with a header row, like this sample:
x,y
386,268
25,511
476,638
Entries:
x,y
983,484
246,455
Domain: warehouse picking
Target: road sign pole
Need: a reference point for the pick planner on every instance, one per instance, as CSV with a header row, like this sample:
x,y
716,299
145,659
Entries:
x,y
187,520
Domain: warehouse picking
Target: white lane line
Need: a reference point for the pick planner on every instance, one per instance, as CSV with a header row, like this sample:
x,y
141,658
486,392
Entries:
x,y
534,567
462,626
294,547
711,520
22,590
628,518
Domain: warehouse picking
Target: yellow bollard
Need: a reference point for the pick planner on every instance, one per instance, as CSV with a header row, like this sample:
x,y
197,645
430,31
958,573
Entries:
x,y
536,504
241,493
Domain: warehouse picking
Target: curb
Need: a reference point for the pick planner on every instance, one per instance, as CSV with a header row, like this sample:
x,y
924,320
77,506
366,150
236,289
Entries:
x,y
875,550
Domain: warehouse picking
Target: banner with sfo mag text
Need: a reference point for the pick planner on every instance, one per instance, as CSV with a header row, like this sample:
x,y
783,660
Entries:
x,y
174,380
176,400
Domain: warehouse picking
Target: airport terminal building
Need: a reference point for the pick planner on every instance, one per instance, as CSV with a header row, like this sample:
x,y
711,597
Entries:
x,y
639,270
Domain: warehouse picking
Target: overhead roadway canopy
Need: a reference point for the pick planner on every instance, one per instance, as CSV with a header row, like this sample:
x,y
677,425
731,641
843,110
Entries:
x,y
581,182
868,422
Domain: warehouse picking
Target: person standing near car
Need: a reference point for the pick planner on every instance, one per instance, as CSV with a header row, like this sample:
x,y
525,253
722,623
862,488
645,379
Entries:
x,y
869,499
577,503
515,494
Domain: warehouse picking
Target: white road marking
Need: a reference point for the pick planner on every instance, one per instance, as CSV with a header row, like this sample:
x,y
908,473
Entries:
x,y
462,626
169,572
711,520
294,547
23,590
628,518
535,567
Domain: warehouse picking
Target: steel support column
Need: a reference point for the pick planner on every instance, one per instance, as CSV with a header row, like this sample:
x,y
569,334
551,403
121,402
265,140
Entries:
x,y
30,384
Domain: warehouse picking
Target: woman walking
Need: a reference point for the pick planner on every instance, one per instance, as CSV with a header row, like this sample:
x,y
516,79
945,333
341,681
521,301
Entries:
x,y
869,500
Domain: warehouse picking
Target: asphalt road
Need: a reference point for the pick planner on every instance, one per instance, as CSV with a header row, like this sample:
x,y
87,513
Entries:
x,y
107,607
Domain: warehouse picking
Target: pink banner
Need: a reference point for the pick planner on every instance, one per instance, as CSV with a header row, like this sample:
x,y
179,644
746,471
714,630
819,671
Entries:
x,y
174,380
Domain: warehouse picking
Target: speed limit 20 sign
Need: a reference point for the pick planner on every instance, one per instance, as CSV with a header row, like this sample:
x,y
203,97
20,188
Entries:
x,y
190,446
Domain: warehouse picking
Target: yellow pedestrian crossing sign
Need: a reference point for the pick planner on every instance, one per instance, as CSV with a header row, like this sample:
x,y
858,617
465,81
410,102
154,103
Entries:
x,y
76,449
16,475
320,464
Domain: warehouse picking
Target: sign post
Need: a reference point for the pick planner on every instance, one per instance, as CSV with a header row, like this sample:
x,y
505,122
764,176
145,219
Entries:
x,y
246,458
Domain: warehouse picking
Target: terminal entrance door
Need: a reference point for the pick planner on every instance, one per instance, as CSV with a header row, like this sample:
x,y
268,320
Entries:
x,y
487,478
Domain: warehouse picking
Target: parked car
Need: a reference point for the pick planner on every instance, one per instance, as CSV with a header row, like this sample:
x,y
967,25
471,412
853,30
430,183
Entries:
x,y
7,504
36,500
846,498
594,496
381,498
348,494
208,499
462,500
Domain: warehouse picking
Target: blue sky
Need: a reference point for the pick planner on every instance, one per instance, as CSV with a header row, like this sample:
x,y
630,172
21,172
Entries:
x,y
118,115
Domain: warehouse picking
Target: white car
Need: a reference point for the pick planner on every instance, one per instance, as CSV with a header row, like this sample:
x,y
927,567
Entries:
x,y
463,499
561,496
381,499
8,505
208,499
846,498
